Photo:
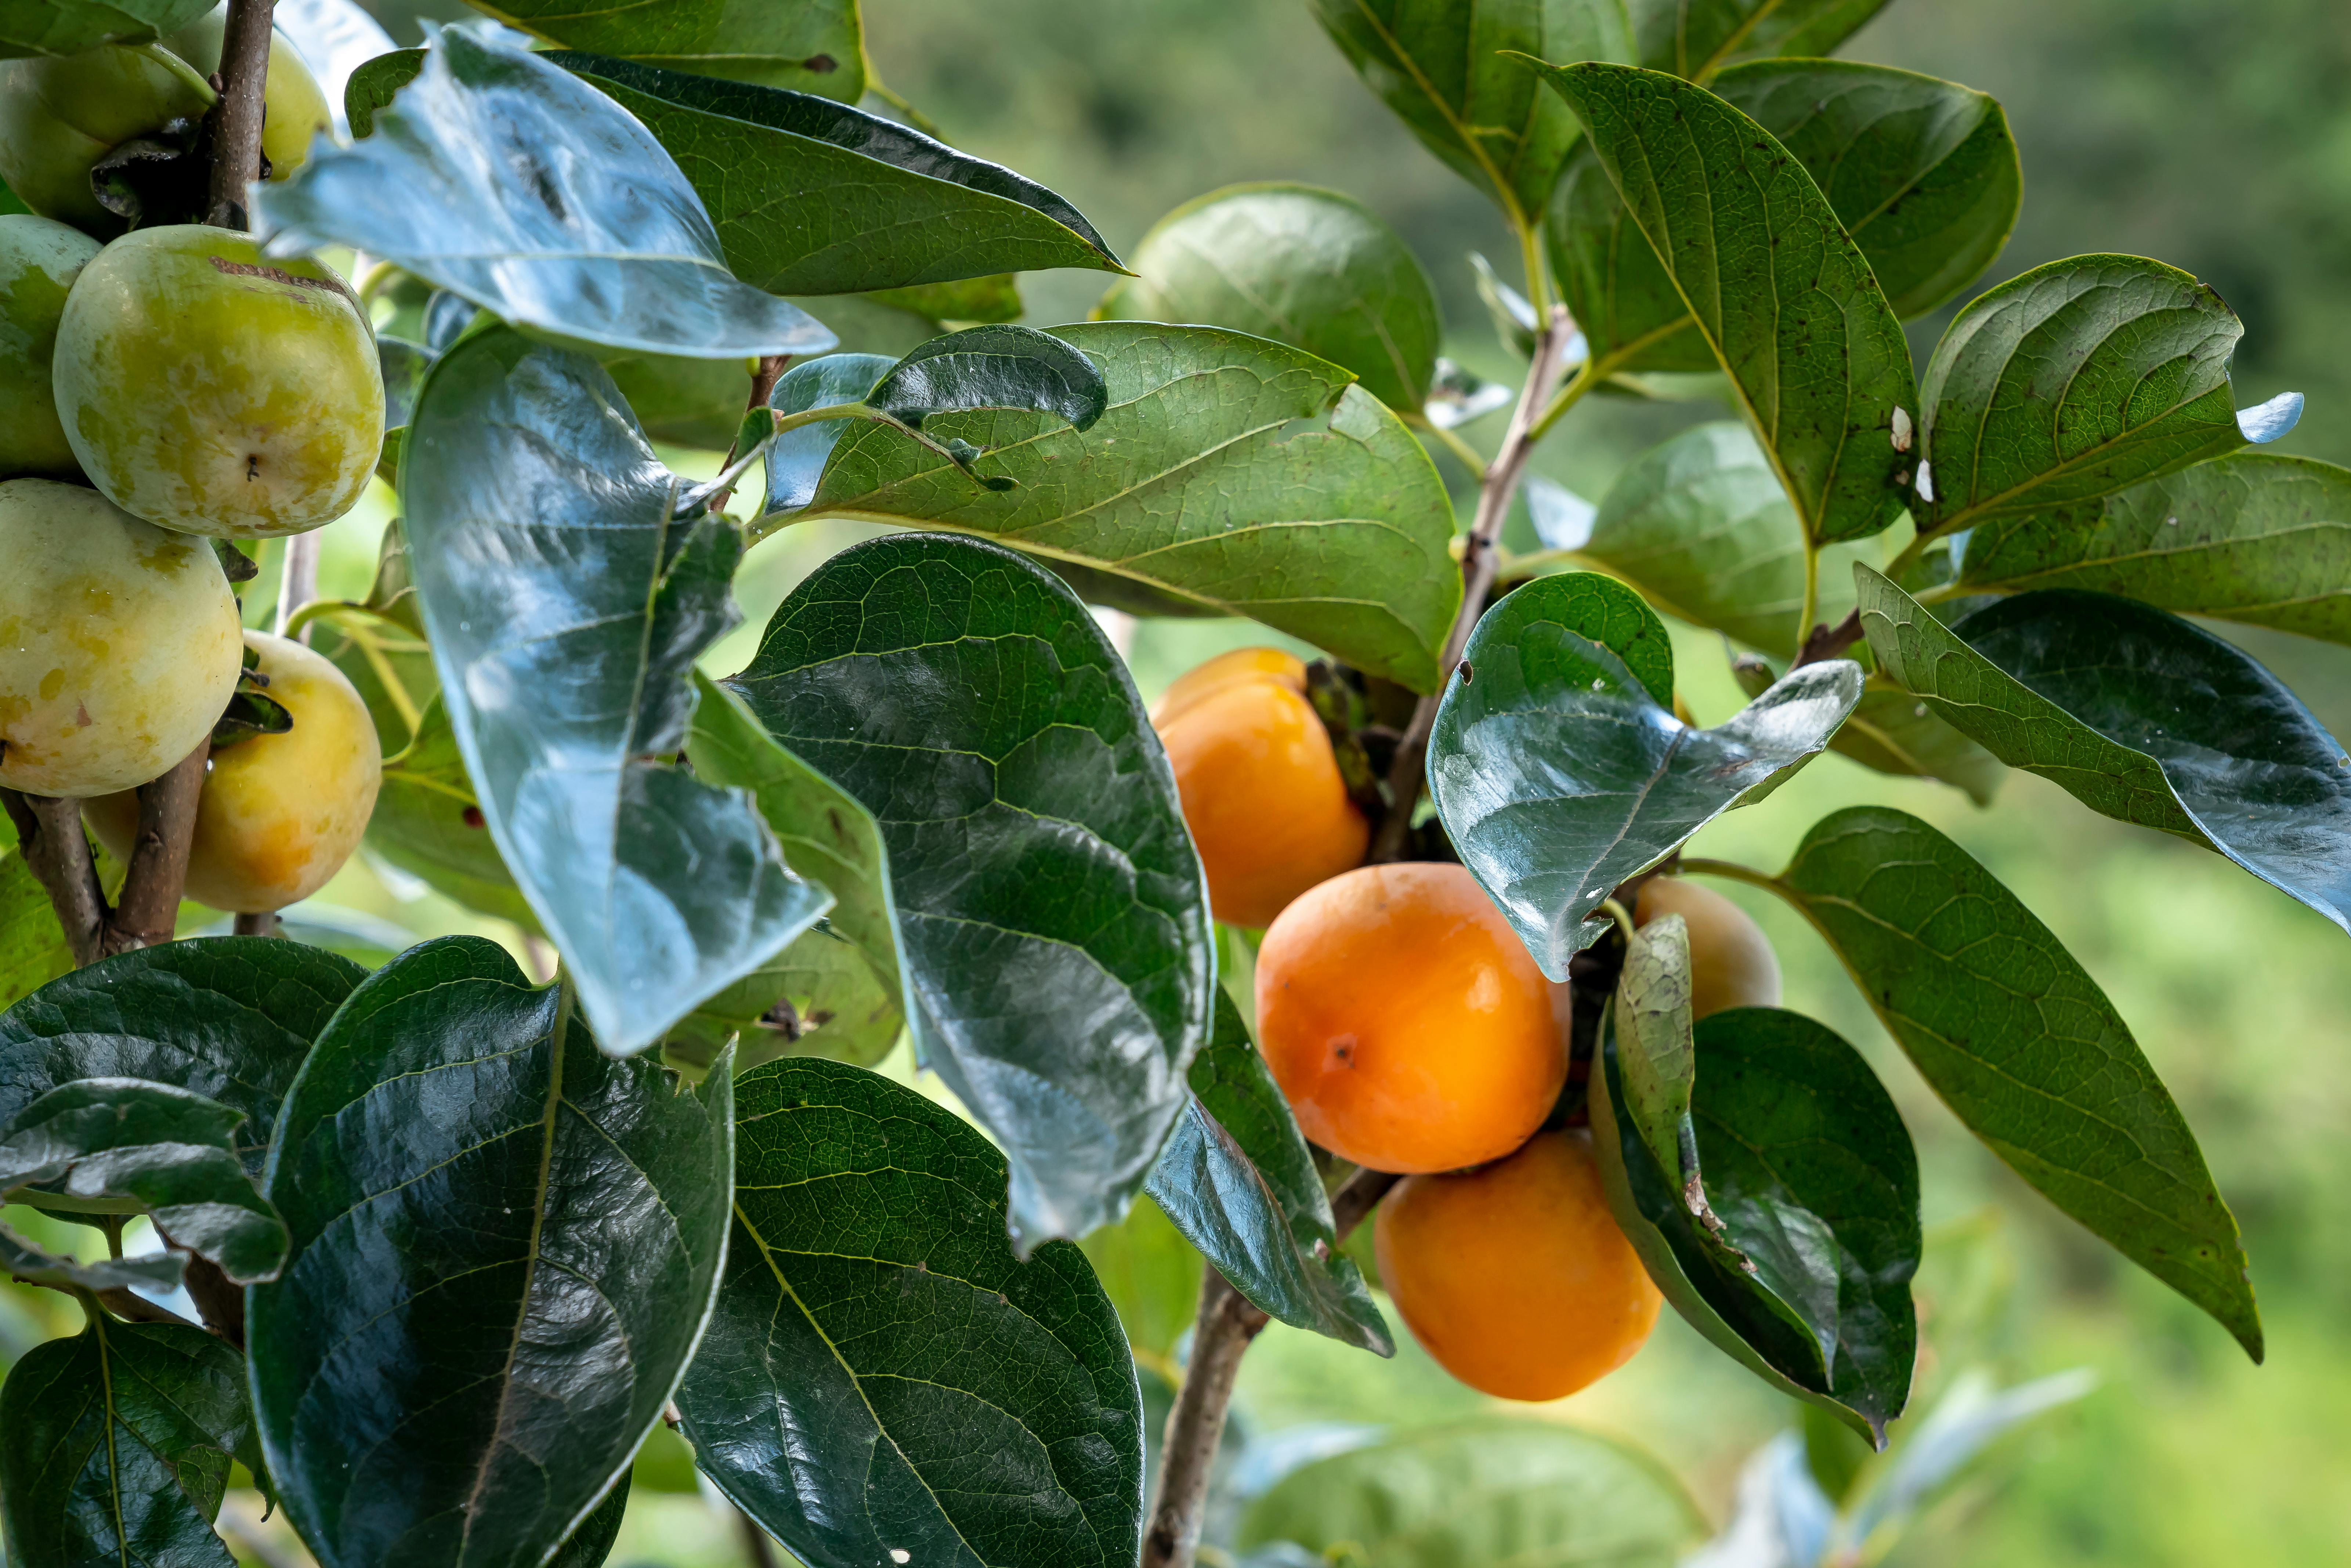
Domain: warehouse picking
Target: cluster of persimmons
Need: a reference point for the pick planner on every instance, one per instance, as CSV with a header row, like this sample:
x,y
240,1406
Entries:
x,y
1412,1034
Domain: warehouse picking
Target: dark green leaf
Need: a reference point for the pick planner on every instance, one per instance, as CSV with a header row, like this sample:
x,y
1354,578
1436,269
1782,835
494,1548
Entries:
x,y
967,301
2254,536
33,946
122,1146
20,1260
501,178
882,1375
1479,1494
1695,39
1780,292
820,997
506,1244
1812,1177
1701,526
404,364
2071,381
1051,914
31,27
814,197
374,84
1194,484
228,1018
565,607
1239,1180
997,367
115,1447
1892,731
1559,770
808,46
592,1541
1306,266
2023,1046
1442,68
2141,716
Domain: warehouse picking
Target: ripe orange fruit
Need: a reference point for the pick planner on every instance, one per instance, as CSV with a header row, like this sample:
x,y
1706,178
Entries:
x,y
1731,964
1405,1022
1260,786
1516,1277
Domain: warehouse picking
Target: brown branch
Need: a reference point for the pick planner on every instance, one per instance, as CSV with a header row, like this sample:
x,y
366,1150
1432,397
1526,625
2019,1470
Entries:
x,y
219,1299
1225,1328
763,385
148,913
1355,1199
49,836
236,125
1480,559
1830,642
261,923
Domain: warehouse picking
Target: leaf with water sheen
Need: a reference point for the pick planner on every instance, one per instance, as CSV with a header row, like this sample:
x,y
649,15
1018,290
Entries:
x,y
502,178
2141,716
1559,771
228,1018
1239,1180
566,605
1441,67
884,1380
810,45
1302,266
506,1244
2071,381
2254,536
1482,1492
1051,912
124,1145
1780,292
993,367
1194,485
115,1446
814,197
2023,1046
1696,38
1812,1174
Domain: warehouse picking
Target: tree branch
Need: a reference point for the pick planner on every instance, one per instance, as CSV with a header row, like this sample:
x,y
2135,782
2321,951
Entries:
x,y
1480,557
236,125
1830,642
221,1301
1225,1328
148,913
49,836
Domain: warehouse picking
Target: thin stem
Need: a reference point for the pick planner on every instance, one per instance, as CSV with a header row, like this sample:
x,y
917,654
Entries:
x,y
1620,914
236,126
1912,554
1698,865
1357,1197
49,837
763,386
1453,442
148,913
1588,375
1479,558
915,116
1811,607
1225,1328
1530,257
298,583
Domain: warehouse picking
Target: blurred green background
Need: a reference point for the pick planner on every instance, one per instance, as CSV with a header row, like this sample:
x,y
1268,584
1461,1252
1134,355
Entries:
x,y
2214,134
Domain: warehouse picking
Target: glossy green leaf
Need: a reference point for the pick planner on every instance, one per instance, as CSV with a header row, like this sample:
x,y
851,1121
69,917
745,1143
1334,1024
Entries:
x,y
2071,381
1559,770
1482,1493
20,1260
796,458
1052,914
565,606
820,997
228,1018
1152,1275
1299,265
506,1244
375,83
848,967
1696,38
404,364
1631,317
31,27
1442,68
1649,1020
682,401
591,1543
1702,528
2254,536
814,197
997,367
1780,292
33,946
1194,484
882,1375
115,1447
1813,1184
2023,1046
1239,1180
808,46
503,179
2141,716
122,1146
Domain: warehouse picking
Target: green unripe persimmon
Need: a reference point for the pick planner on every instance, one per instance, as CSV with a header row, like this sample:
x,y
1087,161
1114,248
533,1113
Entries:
x,y
294,106
119,642
207,388
59,116
39,259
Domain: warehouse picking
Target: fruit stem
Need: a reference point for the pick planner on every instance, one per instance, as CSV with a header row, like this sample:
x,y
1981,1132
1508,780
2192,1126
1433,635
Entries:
x,y
1617,912
149,910
236,131
1698,865
1480,557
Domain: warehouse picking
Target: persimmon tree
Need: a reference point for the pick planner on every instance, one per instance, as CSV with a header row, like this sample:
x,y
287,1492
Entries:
x,y
461,1241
